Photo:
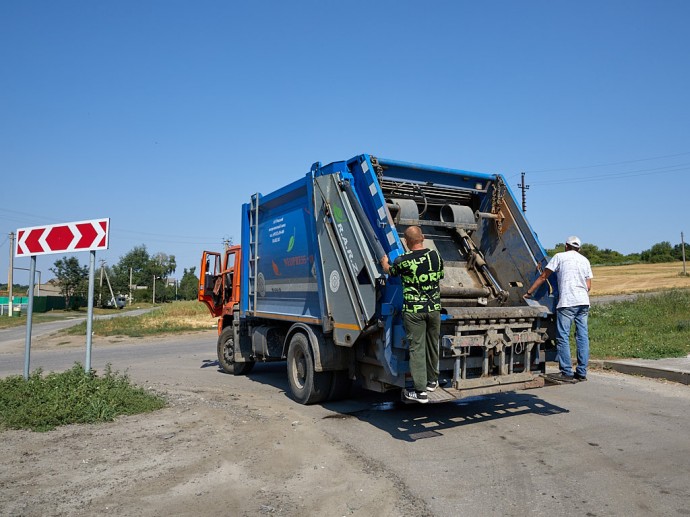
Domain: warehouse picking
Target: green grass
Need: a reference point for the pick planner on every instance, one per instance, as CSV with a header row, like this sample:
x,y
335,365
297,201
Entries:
x,y
44,317
73,397
651,327
170,317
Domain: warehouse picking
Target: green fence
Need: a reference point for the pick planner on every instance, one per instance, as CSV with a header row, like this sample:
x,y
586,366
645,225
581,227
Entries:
x,y
41,303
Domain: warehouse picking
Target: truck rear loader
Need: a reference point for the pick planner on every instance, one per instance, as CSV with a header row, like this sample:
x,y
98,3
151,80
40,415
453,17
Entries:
x,y
305,284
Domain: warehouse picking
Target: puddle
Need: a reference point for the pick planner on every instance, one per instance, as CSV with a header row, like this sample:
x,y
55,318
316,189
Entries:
x,y
383,406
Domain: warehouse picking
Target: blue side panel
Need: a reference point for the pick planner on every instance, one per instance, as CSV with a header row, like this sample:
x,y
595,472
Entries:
x,y
286,282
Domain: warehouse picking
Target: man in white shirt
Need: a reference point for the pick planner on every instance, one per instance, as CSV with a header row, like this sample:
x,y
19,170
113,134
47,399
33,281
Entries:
x,y
574,282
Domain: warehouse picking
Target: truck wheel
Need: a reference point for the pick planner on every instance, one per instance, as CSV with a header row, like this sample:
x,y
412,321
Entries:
x,y
307,386
226,354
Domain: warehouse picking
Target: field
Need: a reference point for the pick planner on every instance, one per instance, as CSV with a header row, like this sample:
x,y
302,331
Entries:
x,y
637,278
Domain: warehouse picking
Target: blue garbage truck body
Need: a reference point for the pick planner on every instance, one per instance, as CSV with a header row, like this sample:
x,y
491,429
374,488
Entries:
x,y
305,284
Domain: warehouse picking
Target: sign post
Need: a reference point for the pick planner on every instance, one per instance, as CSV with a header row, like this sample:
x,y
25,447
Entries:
x,y
72,237
89,316
29,319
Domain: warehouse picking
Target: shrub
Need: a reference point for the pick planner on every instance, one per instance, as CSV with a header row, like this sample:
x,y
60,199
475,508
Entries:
x,y
42,403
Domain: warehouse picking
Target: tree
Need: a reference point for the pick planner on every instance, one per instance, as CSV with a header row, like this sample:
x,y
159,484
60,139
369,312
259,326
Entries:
x,y
136,260
72,277
660,252
163,264
597,256
188,285
145,270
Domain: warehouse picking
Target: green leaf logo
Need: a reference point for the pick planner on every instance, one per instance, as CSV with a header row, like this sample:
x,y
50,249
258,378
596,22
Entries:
x,y
338,214
291,242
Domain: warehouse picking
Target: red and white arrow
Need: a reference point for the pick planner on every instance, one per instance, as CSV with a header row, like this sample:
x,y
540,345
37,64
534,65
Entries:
x,y
63,237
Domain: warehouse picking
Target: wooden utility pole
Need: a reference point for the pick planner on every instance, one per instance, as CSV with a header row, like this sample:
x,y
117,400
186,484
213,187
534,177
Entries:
x,y
524,188
100,287
682,247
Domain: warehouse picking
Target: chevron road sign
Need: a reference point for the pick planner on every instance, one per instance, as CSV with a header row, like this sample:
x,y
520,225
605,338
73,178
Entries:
x,y
63,238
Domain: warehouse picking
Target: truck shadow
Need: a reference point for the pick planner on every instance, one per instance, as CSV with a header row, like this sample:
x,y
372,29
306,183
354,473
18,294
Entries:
x,y
411,422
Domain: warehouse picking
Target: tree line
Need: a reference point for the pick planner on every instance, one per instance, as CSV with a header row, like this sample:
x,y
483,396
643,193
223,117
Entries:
x,y
659,252
149,274
147,269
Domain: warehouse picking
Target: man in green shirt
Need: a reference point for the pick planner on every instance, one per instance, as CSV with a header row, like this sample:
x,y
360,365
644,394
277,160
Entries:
x,y
420,270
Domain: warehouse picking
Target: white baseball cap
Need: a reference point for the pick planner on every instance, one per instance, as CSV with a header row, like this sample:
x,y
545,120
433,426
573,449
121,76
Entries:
x,y
573,241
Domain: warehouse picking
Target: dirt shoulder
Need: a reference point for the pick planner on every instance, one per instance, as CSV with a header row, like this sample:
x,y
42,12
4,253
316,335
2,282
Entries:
x,y
234,448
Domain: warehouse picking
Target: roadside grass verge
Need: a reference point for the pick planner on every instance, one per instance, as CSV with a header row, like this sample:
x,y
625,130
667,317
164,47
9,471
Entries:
x,y
60,315
180,316
649,327
73,397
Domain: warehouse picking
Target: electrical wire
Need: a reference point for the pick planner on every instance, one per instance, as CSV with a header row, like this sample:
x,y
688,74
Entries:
x,y
608,164
669,169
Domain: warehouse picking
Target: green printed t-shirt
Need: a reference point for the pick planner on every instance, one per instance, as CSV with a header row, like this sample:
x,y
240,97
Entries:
x,y
420,272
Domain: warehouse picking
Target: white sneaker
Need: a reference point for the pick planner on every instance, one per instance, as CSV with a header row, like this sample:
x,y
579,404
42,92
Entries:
x,y
416,396
431,386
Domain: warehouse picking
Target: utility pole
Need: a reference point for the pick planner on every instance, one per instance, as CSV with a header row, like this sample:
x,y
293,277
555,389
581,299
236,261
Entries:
x,y
524,188
100,287
682,247
130,286
10,278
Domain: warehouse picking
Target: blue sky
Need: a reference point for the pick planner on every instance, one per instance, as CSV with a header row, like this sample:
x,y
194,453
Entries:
x,y
167,115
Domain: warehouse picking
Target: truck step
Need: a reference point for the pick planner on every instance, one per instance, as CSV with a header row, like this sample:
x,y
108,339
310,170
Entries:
x,y
450,394
435,397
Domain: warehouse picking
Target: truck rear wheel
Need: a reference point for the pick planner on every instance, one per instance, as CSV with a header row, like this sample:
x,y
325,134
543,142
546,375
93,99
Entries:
x,y
226,354
307,385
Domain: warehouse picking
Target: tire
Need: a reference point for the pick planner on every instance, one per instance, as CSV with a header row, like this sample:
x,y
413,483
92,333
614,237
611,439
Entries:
x,y
306,385
340,386
226,351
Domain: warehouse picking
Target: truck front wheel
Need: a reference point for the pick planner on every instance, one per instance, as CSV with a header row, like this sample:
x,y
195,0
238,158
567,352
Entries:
x,y
226,354
307,385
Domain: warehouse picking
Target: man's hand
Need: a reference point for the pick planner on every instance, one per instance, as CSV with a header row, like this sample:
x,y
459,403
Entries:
x,y
385,264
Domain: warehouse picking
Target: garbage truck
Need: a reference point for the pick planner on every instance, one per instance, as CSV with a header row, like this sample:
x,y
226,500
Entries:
x,y
305,285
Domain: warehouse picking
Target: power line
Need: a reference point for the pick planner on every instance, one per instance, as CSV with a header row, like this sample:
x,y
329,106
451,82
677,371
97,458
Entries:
x,y
616,175
609,164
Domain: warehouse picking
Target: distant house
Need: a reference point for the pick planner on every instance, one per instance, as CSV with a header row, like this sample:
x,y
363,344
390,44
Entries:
x,y
50,288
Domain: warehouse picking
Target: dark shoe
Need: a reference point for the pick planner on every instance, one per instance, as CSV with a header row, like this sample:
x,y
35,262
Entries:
x,y
561,377
431,386
579,377
416,396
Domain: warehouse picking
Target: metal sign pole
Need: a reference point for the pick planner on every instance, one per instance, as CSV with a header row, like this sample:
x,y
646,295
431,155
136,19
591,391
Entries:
x,y
89,317
29,317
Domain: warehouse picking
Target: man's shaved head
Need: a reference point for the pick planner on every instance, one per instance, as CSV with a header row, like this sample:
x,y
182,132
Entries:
x,y
414,236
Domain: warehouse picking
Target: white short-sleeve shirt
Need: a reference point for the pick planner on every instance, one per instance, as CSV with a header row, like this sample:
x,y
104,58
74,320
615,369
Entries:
x,y
573,270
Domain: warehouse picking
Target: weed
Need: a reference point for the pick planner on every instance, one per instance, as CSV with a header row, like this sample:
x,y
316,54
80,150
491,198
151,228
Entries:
x,y
648,327
42,403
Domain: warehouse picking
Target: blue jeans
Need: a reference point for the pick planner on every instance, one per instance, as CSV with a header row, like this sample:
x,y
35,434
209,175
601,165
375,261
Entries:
x,y
564,319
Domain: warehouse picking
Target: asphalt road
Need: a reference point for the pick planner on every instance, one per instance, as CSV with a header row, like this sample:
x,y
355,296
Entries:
x,y
38,330
614,445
